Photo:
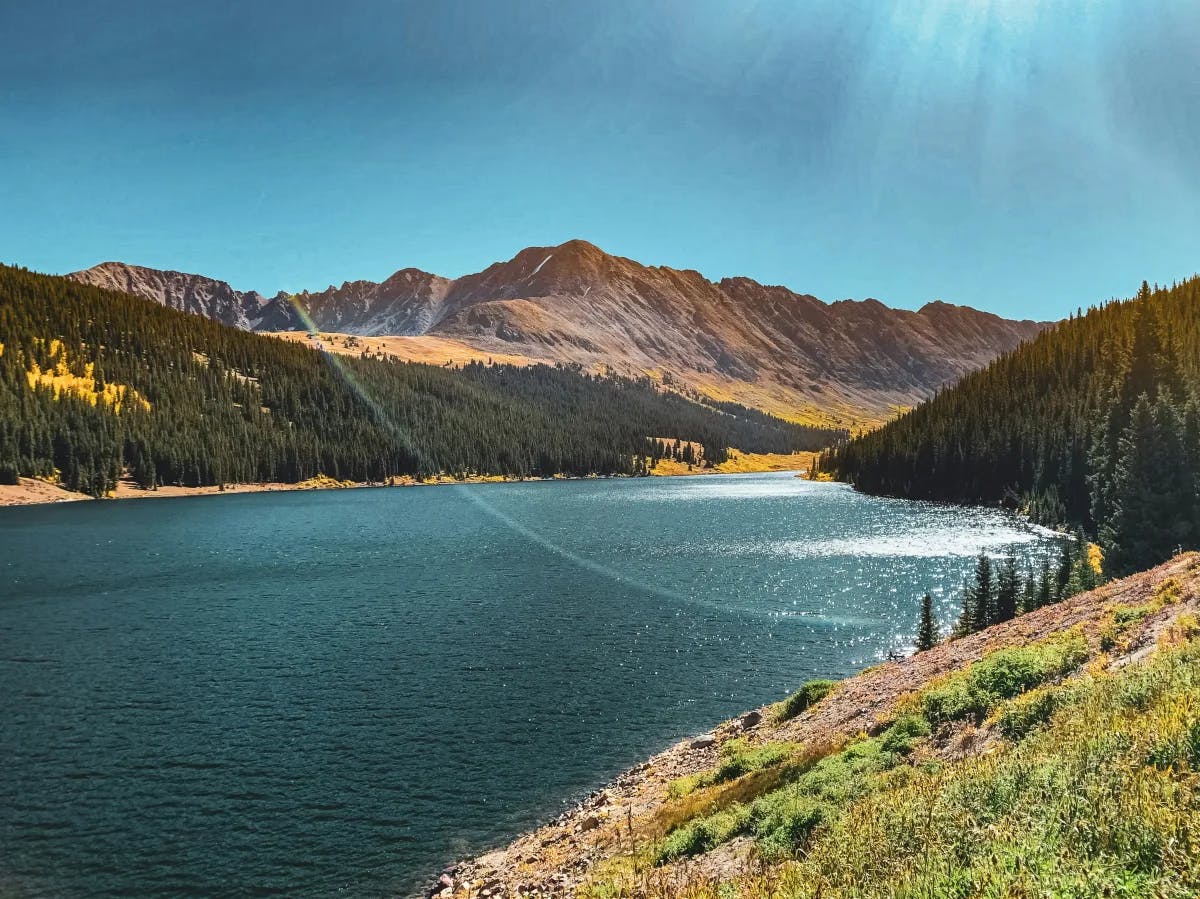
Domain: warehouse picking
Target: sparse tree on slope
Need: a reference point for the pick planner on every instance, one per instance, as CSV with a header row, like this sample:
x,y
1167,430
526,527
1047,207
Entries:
x,y
1008,591
979,600
927,632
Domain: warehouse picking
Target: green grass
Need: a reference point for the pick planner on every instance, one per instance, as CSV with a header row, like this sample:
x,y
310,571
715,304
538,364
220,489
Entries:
x,y
1123,616
804,699
1093,792
1119,619
738,757
707,833
1101,801
1019,717
783,818
970,695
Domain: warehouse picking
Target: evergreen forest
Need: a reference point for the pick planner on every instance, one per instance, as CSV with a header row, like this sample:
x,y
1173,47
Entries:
x,y
1095,424
96,385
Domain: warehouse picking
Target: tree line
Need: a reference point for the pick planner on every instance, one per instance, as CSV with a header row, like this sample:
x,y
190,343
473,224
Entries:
x,y
999,591
1095,424
96,384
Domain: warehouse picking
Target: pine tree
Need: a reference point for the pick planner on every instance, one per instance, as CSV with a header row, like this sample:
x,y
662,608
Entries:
x,y
984,593
927,631
1191,476
1083,576
1149,356
967,622
1029,588
1045,592
979,600
1042,428
1008,591
1145,525
1066,563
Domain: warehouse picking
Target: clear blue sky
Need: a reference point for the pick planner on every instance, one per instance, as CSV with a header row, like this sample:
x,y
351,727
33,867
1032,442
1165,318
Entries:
x,y
1024,156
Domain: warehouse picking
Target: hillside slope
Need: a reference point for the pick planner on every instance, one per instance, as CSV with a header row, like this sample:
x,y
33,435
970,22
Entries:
x,y
95,382
1054,754
735,339
1096,423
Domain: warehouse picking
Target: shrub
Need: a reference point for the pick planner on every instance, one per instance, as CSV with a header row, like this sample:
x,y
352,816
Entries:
x,y
683,786
704,834
1109,636
1167,593
904,732
1185,627
1020,716
804,699
1118,619
783,818
788,823
1179,748
738,757
1123,616
972,694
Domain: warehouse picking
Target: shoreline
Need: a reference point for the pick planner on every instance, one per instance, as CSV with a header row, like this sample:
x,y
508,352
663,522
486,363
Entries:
x,y
602,836
35,491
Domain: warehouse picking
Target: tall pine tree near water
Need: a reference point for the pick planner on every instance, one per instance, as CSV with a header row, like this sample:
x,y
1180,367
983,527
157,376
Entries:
x,y
1008,592
1153,506
979,599
927,630
1191,477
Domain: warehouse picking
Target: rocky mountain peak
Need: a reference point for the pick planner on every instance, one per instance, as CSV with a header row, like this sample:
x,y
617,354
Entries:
x,y
765,345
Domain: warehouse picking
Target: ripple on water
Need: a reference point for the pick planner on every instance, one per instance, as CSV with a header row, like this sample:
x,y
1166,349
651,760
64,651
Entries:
x,y
316,693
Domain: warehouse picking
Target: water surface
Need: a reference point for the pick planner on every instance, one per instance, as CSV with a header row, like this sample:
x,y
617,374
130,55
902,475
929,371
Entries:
x,y
335,693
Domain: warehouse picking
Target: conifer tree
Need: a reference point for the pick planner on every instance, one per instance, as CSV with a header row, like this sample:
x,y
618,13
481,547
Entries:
x,y
984,597
1066,563
1029,593
1045,428
1045,593
979,599
1083,576
1141,534
1008,591
927,631
1191,476
967,622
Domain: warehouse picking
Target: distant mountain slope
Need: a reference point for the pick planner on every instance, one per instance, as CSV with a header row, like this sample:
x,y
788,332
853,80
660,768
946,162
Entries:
x,y
191,293
95,383
736,339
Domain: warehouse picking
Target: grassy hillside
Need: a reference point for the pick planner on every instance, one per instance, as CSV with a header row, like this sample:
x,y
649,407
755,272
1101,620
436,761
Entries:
x,y
1095,423
94,383
1057,754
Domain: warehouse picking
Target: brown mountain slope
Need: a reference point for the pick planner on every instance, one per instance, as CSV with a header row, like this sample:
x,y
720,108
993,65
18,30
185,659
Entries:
x,y
734,339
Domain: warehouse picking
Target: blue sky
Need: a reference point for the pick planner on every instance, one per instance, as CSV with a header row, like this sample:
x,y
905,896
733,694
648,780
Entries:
x,y
1023,156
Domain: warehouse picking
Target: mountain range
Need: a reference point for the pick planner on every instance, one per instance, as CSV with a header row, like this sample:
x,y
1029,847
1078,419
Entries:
x,y
847,362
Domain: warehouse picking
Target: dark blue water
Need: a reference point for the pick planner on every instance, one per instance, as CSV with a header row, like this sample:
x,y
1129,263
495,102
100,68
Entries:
x,y
311,694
